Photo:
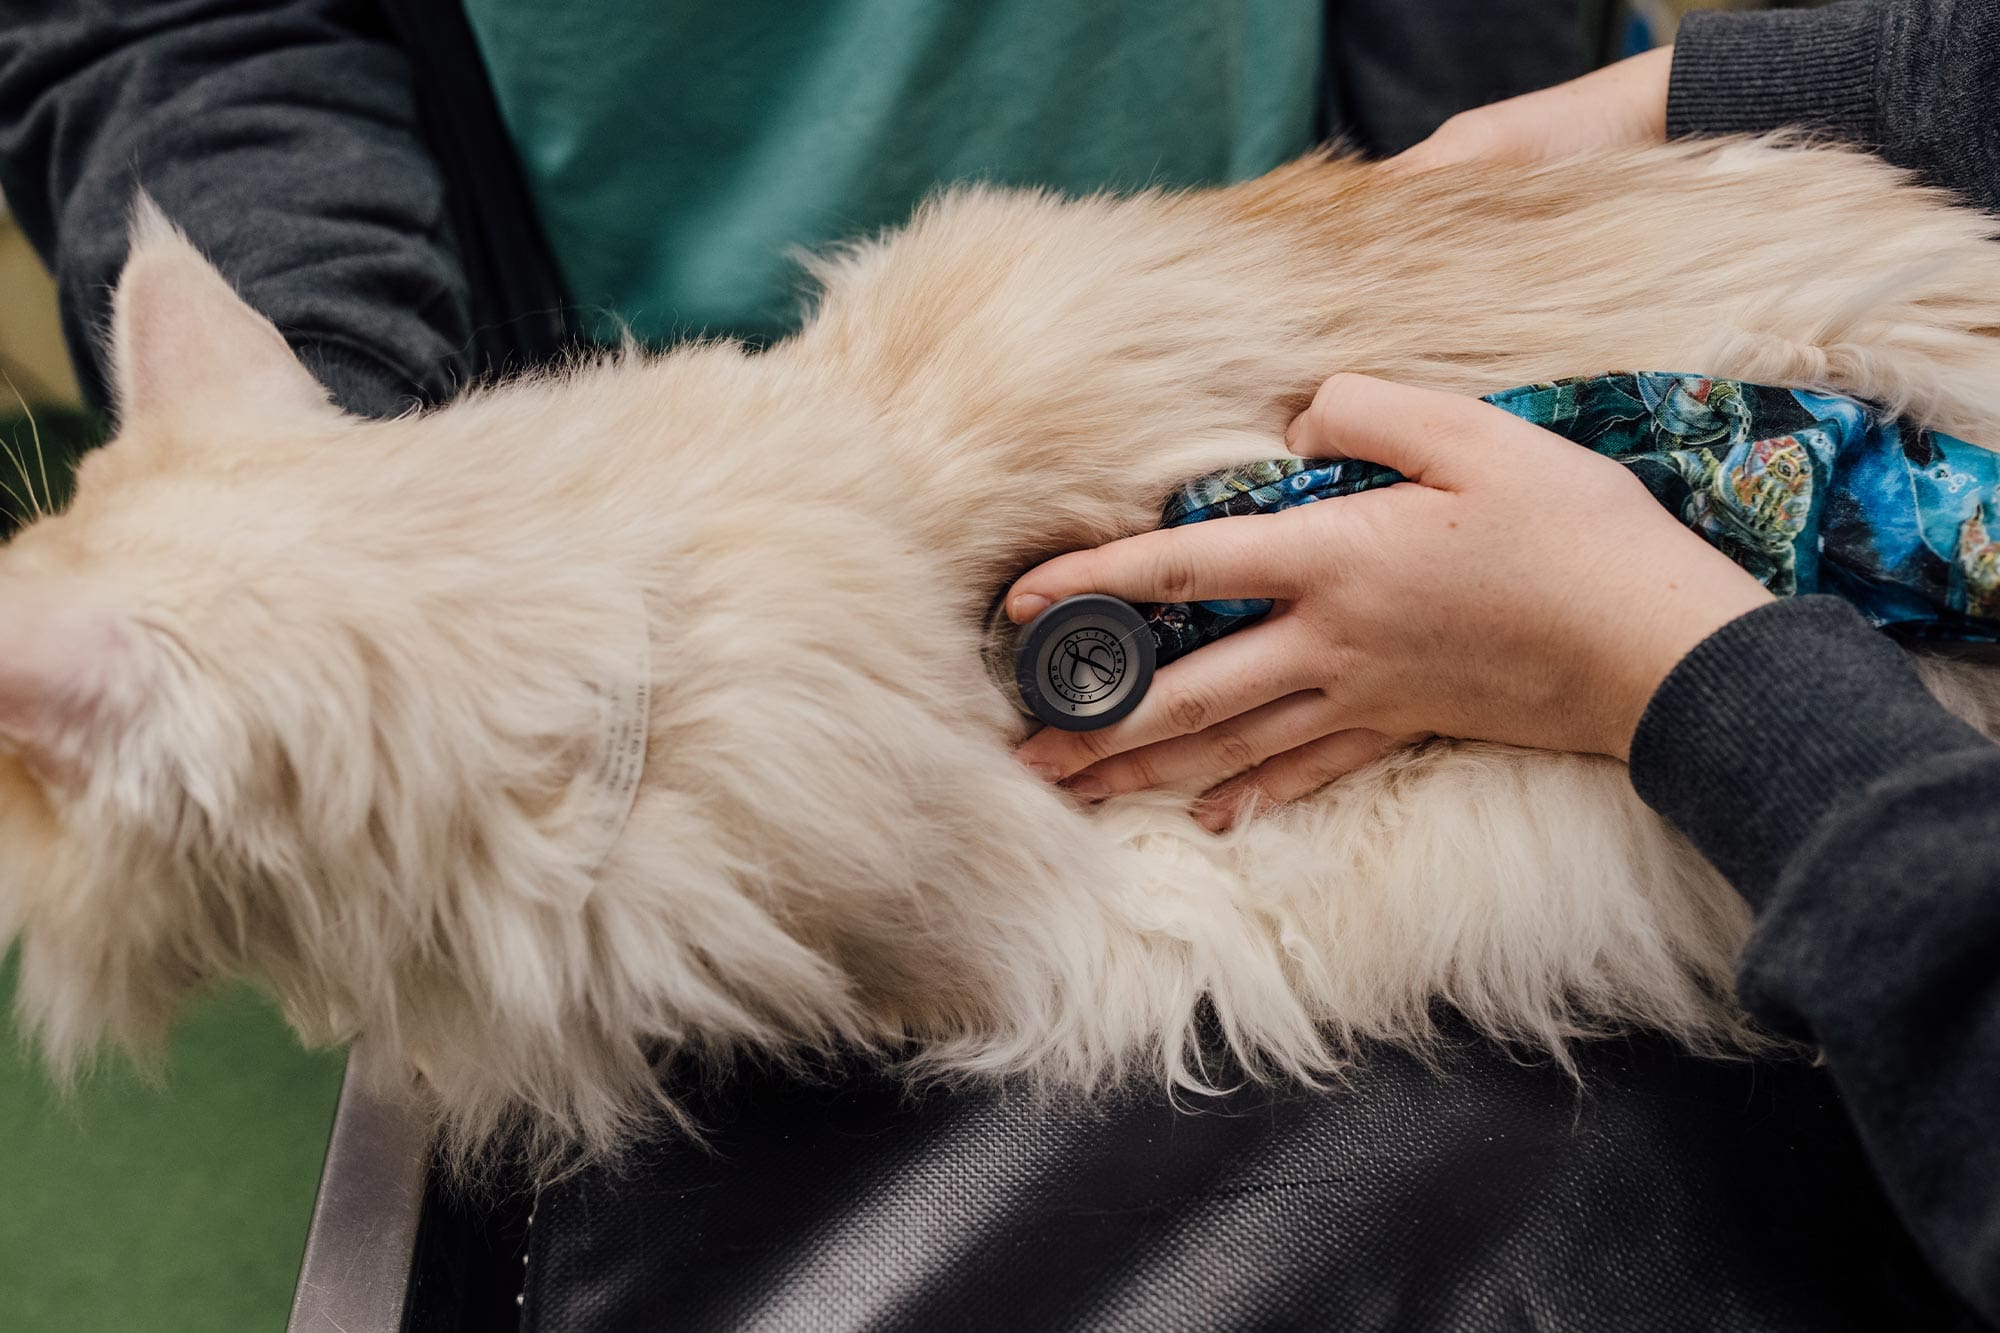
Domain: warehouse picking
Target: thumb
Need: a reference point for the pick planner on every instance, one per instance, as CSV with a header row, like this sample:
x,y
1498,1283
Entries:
x,y
1439,439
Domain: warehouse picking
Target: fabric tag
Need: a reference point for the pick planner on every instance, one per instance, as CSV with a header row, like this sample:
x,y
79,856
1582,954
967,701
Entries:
x,y
608,782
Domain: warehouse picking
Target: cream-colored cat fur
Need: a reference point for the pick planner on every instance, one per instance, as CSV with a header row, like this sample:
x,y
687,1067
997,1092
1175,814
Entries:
x,y
306,698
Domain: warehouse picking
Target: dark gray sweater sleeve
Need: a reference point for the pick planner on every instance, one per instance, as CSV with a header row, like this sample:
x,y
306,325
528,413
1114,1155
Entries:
x,y
1797,750
1918,81
279,134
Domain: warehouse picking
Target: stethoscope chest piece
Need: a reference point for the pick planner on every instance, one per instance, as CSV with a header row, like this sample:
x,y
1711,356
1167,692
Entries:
x,y
1084,662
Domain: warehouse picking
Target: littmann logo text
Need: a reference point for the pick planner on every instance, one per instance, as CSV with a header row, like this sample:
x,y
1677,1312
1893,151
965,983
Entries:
x,y
1086,666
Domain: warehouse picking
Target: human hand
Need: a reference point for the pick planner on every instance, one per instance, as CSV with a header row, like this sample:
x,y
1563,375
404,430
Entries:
x,y
1517,588
1621,104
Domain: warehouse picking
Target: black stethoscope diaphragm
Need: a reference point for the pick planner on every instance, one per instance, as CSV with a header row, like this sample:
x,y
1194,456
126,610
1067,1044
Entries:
x,y
1084,662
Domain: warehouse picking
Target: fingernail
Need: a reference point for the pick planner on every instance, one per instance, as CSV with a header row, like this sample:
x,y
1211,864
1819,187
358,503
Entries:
x,y
1026,607
1215,816
1046,772
1090,789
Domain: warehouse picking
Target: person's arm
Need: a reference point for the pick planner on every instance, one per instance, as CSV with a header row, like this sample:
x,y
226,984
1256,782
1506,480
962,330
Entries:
x,y
1918,82
1521,589
280,135
1796,748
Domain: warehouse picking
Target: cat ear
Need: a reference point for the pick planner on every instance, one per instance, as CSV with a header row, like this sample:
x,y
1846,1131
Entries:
x,y
183,343
67,682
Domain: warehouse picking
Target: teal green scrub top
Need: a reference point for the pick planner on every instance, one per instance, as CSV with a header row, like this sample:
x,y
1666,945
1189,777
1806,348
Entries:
x,y
680,152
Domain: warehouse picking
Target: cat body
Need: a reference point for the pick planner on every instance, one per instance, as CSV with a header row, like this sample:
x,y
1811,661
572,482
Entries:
x,y
320,701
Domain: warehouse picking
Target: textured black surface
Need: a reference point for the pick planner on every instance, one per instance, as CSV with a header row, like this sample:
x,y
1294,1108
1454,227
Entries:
x,y
1670,1193
465,1276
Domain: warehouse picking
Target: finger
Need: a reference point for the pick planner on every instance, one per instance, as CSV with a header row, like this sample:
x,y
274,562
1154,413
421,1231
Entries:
x,y
1226,678
1291,775
1415,160
1438,439
1214,753
1221,559
1449,144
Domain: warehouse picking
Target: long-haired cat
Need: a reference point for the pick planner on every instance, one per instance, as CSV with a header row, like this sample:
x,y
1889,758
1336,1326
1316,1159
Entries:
x,y
357,708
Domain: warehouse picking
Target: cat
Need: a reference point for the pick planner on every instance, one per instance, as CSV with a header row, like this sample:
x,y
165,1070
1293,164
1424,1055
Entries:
x,y
634,710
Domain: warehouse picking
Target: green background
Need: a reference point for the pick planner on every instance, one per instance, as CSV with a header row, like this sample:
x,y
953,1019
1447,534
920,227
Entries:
x,y
178,1206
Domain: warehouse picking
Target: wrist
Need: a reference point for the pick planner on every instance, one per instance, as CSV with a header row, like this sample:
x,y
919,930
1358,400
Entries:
x,y
1647,79
1676,622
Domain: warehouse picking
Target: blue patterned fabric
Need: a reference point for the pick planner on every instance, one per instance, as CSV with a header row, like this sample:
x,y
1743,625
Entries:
x,y
1809,492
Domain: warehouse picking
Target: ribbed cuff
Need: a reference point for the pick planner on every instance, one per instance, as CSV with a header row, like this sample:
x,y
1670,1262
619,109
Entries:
x,y
360,383
1773,722
1747,73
